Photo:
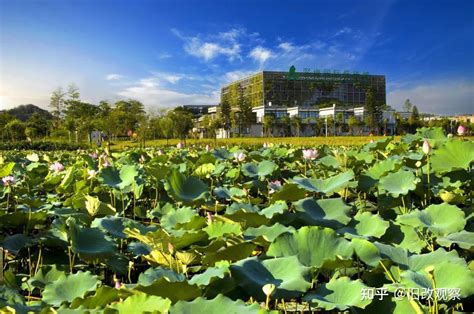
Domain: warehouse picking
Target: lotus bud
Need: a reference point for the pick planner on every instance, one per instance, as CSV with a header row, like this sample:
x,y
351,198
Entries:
x,y
426,147
208,148
450,135
461,130
274,186
91,174
180,145
8,180
160,152
170,248
118,284
93,155
210,218
239,157
142,159
268,289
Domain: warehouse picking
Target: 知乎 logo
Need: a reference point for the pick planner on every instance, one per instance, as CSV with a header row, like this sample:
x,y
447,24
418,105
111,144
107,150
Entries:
x,y
292,75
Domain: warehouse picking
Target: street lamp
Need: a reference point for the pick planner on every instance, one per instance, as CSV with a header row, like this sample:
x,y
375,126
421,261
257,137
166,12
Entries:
x,y
326,119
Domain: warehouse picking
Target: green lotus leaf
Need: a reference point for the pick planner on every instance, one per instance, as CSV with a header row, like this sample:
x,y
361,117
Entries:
x,y
441,219
45,275
446,275
142,302
186,189
16,242
28,220
159,172
411,240
419,262
276,208
302,243
286,273
327,186
127,176
204,279
97,208
225,193
366,251
218,229
6,169
220,304
229,253
152,274
67,288
269,233
204,170
116,226
103,296
371,176
262,169
331,212
90,243
397,255
341,294
453,155
398,183
289,192
463,238
110,176
177,216
175,291
391,305
370,225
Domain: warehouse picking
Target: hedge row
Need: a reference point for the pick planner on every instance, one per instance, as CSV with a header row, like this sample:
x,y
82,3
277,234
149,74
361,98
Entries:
x,y
41,146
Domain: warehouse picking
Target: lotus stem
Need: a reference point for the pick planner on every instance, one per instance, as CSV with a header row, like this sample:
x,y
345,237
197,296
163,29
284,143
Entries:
x,y
389,274
428,170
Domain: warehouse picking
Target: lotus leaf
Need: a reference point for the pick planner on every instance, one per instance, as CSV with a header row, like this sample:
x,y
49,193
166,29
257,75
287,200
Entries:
x,y
68,287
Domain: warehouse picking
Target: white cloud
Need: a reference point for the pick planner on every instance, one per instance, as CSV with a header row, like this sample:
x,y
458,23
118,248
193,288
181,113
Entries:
x,y
211,50
261,54
164,55
342,31
236,75
286,46
153,95
113,77
442,97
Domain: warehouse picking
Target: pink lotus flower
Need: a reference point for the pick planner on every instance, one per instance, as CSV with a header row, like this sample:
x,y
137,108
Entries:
x,y
274,186
310,154
93,155
118,284
210,218
159,152
239,157
142,159
180,145
208,148
461,130
56,167
426,147
8,180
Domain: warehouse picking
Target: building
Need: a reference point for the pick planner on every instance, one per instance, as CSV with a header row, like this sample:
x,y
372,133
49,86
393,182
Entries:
x,y
304,89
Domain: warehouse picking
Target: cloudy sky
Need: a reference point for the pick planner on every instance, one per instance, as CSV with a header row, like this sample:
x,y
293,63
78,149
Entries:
x,y
166,53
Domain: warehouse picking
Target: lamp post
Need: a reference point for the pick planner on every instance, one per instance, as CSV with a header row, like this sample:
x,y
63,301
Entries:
x,y
326,119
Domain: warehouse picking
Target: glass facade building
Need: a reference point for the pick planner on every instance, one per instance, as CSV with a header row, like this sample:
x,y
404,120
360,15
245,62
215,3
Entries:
x,y
289,89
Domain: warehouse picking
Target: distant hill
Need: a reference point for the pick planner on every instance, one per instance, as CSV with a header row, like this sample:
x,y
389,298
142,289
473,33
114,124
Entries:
x,y
24,112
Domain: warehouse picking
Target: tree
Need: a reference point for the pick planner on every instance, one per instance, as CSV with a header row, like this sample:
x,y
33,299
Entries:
x,y
4,119
374,111
225,113
268,122
182,122
407,105
339,122
166,127
245,115
296,123
15,129
36,126
352,123
57,103
285,123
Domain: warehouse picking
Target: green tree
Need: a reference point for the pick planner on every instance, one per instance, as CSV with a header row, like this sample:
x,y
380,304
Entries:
x,y
407,106
268,123
182,122
296,124
166,126
4,119
36,126
285,124
225,113
15,129
352,123
245,112
57,100
374,112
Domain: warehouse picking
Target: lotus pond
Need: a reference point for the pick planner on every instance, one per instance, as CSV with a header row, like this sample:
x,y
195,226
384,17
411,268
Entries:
x,y
384,227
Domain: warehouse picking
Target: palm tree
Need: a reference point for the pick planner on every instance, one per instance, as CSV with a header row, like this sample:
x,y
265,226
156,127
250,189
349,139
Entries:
x,y
268,122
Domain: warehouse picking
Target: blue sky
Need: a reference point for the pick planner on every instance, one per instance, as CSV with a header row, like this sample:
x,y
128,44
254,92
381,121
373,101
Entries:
x,y
166,53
